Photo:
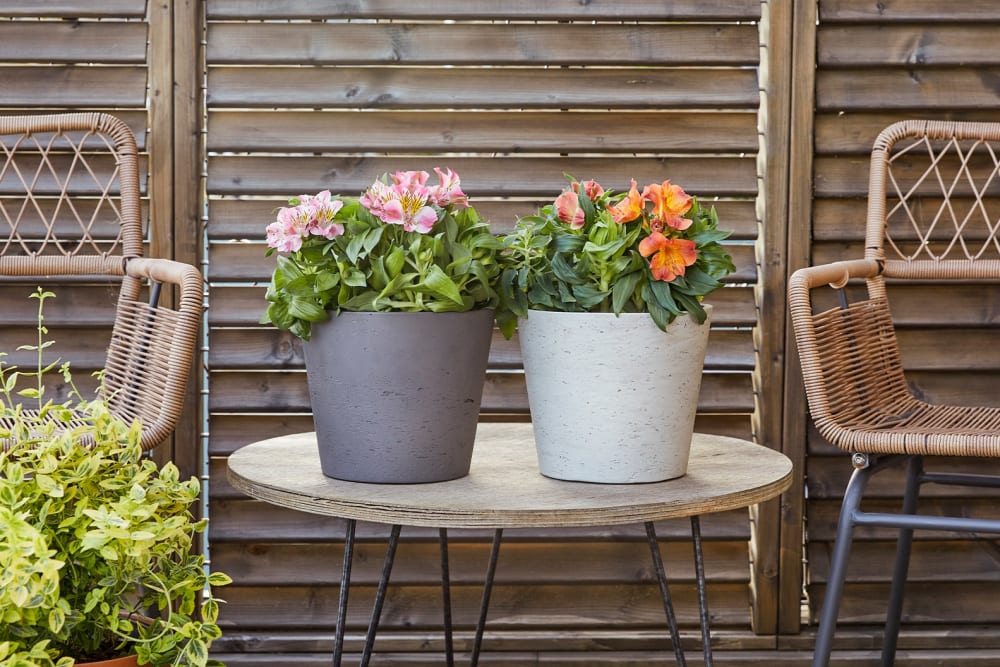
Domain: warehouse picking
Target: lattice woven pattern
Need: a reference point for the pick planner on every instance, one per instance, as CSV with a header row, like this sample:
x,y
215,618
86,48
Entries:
x,y
933,214
70,206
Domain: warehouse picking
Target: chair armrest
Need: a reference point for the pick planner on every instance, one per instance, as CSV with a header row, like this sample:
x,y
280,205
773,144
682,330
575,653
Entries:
x,y
835,274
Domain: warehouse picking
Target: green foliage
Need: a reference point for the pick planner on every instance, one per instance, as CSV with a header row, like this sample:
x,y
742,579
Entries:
x,y
95,536
596,266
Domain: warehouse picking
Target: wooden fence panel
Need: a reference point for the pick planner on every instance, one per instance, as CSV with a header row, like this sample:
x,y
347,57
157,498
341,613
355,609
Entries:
x,y
878,63
301,99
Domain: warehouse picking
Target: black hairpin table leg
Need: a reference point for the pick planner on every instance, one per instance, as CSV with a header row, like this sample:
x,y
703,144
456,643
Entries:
x,y
699,572
449,646
383,584
345,585
668,607
484,606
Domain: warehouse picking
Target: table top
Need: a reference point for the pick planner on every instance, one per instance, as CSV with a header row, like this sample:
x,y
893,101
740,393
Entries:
x,y
504,488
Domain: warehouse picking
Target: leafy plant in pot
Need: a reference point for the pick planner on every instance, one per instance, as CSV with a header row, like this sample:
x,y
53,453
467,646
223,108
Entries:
x,y
394,293
606,290
98,557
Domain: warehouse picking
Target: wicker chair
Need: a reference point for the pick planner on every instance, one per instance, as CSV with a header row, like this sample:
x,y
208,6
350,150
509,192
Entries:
x,y
69,208
933,215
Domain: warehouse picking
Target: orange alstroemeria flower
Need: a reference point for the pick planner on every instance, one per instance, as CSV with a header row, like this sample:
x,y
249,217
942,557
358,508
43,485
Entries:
x,y
629,208
670,203
670,256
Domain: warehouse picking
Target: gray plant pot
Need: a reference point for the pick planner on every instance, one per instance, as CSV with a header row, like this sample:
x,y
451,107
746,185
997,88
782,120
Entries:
x,y
396,396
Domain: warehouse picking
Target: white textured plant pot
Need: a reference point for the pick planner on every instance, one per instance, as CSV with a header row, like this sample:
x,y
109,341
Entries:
x,y
613,399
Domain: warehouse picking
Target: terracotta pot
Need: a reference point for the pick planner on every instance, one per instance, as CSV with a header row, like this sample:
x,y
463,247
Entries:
x,y
613,399
126,661
396,396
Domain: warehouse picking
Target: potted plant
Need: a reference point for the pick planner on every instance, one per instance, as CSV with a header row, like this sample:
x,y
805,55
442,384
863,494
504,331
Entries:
x,y
393,293
98,557
613,329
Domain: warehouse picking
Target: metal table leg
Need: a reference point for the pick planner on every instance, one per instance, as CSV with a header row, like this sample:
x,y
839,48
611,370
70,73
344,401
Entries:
x,y
668,607
699,573
383,583
449,646
484,606
345,585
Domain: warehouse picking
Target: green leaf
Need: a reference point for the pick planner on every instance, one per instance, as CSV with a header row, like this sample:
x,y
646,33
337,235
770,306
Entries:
x,y
439,283
306,309
662,296
587,206
564,272
623,289
588,296
394,262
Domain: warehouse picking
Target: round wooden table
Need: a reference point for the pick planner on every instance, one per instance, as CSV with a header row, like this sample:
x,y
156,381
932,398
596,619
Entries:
x,y
505,490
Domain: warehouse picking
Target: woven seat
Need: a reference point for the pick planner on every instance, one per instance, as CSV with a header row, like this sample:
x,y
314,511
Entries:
x,y
70,210
933,215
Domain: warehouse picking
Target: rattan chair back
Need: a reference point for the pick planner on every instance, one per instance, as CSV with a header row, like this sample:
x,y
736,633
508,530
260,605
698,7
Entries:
x,y
933,215
70,206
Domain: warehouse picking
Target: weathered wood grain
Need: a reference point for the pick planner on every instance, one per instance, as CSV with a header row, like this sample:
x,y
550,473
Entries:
x,y
342,87
74,87
73,9
497,44
72,42
484,132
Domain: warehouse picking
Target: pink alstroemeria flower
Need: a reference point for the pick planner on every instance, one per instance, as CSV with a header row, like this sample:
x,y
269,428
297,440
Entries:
x,y
568,209
376,196
592,189
670,203
288,230
671,257
322,209
410,180
449,190
410,210
629,208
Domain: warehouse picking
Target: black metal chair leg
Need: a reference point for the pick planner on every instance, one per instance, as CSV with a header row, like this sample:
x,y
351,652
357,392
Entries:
x,y
449,645
699,573
345,585
383,584
484,606
838,566
894,614
668,606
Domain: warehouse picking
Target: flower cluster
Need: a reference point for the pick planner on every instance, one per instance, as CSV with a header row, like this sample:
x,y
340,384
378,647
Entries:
x,y
592,250
404,245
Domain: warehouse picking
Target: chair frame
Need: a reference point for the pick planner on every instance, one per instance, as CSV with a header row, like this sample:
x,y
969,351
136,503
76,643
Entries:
x,y
152,344
857,393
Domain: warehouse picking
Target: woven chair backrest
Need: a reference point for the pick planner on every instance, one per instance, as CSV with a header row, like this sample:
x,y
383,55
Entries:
x,y
934,200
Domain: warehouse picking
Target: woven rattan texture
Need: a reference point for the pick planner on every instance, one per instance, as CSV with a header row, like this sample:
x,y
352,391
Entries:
x,y
933,215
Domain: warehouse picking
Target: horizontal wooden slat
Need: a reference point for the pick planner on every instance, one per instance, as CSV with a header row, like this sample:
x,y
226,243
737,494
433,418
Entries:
x,y
522,563
286,391
77,42
74,8
643,10
944,602
510,606
843,220
854,132
70,87
848,176
728,349
907,10
906,89
481,177
253,521
246,262
230,431
909,45
481,44
828,476
596,644
76,306
236,219
136,119
243,306
929,561
511,132
85,349
942,306
823,513
370,88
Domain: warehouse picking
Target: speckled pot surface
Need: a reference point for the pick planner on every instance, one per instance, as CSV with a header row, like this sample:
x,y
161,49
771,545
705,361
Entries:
x,y
396,396
613,399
